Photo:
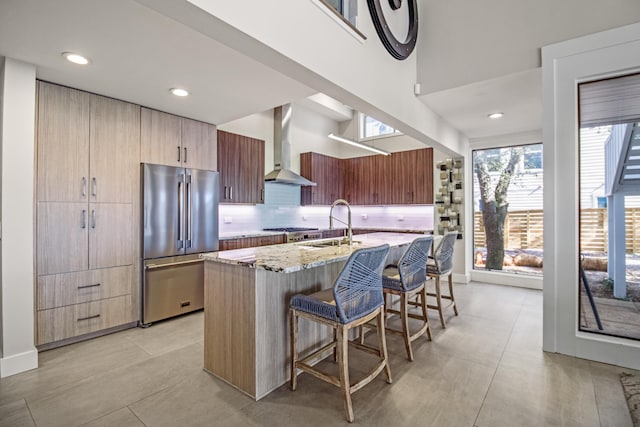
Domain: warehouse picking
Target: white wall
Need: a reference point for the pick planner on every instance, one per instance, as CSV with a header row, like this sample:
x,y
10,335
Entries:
x,y
304,42
309,132
494,38
607,54
17,216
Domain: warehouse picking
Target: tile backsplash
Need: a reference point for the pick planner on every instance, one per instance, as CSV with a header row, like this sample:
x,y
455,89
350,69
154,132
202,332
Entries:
x,y
282,209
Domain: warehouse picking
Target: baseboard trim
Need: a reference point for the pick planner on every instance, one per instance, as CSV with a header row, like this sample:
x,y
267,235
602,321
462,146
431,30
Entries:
x,y
509,279
461,278
17,363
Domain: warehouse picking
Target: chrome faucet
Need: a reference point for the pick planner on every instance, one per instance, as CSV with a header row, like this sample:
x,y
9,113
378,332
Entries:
x,y
348,223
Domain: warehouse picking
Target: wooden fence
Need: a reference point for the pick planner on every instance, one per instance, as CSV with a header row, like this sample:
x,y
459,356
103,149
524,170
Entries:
x,y
524,229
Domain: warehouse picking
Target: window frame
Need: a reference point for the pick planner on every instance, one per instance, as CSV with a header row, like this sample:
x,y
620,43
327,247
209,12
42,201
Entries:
x,y
362,117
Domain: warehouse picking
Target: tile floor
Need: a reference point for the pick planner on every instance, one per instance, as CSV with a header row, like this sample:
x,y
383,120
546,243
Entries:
x,y
485,369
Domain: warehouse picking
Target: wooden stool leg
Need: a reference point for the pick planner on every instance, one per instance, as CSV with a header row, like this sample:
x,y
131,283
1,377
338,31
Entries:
x,y
405,324
439,302
343,366
453,300
294,350
335,348
423,306
382,338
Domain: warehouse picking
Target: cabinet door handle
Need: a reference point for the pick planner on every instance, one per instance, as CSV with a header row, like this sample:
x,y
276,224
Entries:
x,y
95,316
93,218
185,154
180,212
94,187
262,194
84,187
95,285
230,192
83,223
187,219
178,154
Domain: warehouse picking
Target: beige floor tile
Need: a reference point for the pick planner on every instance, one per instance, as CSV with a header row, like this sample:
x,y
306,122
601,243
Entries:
x,y
551,391
165,336
526,335
61,368
612,406
120,418
198,400
485,369
474,338
15,414
113,390
447,392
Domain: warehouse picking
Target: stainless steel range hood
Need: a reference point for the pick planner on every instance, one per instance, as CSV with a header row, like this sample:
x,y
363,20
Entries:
x,y
282,150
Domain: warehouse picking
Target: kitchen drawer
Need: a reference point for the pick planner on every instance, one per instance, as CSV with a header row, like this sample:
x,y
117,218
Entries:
x,y
58,290
65,322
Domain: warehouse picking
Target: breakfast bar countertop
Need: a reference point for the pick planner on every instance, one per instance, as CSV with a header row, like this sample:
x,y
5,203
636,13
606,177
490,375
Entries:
x,y
292,257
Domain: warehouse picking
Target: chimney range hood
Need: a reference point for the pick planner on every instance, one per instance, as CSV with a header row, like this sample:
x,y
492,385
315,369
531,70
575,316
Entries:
x,y
282,173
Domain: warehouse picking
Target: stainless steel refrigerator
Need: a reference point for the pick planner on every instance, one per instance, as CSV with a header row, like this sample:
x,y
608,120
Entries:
x,y
179,221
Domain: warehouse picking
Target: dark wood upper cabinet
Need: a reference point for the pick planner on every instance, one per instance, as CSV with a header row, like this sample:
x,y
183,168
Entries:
x,y
327,173
405,177
241,167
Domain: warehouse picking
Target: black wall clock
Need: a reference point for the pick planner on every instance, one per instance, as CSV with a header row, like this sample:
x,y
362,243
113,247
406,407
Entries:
x,y
398,49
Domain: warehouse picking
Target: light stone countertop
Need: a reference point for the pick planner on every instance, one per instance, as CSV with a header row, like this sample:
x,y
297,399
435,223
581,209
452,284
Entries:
x,y
291,257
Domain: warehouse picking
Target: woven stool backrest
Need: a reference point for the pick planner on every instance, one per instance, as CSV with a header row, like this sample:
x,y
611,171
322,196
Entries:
x,y
444,253
358,289
413,263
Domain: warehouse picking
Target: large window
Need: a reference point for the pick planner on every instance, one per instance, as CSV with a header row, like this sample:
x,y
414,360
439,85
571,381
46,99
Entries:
x,y
507,193
371,128
348,9
609,259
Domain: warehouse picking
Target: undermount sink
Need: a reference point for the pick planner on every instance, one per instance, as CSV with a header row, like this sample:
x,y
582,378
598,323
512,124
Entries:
x,y
328,243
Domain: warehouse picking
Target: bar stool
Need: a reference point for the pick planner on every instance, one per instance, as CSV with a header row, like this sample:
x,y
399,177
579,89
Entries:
x,y
407,279
356,298
441,264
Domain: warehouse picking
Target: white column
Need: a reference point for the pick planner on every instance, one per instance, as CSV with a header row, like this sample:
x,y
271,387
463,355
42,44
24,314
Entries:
x,y
17,141
617,244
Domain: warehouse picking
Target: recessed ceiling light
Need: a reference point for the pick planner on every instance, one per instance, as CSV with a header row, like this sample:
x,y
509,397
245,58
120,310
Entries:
x,y
75,58
495,115
179,92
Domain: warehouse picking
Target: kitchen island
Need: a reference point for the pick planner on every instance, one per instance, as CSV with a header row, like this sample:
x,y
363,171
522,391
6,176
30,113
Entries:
x,y
246,300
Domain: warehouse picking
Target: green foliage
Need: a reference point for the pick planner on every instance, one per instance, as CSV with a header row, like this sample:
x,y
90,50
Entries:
x,y
607,283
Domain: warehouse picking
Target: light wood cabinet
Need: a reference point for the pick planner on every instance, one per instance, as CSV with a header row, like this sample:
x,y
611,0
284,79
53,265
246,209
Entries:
x,y
60,323
241,167
171,140
110,235
88,151
114,143
62,237
63,149
199,145
59,290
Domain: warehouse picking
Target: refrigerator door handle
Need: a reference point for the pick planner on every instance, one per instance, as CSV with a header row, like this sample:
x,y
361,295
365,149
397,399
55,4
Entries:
x,y
188,219
180,212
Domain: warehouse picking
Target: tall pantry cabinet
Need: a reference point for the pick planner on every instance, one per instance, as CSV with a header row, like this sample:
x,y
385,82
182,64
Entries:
x,y
88,153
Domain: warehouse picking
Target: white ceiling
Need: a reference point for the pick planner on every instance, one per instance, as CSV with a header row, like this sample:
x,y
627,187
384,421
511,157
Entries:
x,y
138,54
518,96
